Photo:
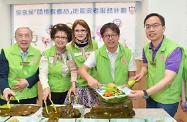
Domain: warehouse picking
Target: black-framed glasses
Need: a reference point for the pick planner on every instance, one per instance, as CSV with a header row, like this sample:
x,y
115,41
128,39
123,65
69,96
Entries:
x,y
107,36
62,38
154,26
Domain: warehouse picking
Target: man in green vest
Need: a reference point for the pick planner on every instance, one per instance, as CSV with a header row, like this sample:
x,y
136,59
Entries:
x,y
19,70
162,66
114,62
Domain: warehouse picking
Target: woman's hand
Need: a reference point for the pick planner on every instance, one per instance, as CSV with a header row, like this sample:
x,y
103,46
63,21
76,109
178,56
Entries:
x,y
46,93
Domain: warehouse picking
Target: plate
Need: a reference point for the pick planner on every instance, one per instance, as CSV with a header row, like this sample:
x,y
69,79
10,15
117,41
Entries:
x,y
2,119
125,90
155,119
60,120
91,120
114,99
127,120
26,118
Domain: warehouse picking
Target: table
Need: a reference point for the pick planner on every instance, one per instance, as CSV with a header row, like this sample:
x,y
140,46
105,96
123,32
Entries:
x,y
139,113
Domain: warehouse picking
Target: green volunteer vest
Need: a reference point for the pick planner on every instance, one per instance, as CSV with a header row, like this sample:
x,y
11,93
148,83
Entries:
x,y
185,72
121,66
57,82
18,70
79,60
170,94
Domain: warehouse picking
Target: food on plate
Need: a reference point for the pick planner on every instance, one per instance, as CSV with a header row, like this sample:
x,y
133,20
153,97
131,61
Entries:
x,y
111,85
112,90
62,112
13,120
19,110
108,94
108,112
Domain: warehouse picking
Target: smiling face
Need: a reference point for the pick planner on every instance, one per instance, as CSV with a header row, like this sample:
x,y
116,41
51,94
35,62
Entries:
x,y
23,36
80,33
154,29
60,39
110,38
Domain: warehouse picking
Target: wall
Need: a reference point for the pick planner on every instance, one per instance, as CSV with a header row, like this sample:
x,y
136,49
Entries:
x,y
5,27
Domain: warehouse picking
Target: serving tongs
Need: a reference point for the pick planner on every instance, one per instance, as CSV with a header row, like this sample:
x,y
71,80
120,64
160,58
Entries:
x,y
74,97
8,105
52,105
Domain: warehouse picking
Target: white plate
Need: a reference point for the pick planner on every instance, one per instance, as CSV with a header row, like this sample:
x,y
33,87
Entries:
x,y
125,90
26,119
154,119
2,119
60,120
91,120
127,120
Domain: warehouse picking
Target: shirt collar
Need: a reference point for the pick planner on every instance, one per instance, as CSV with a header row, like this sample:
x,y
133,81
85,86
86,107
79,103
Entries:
x,y
24,52
117,51
151,45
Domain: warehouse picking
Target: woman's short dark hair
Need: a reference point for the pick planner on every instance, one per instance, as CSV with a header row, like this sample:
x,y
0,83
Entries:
x,y
61,27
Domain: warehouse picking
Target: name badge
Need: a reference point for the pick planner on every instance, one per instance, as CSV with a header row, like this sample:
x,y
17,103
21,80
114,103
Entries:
x,y
78,54
153,63
24,63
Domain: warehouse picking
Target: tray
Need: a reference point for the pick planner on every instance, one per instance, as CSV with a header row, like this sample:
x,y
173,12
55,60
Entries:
x,y
26,119
155,119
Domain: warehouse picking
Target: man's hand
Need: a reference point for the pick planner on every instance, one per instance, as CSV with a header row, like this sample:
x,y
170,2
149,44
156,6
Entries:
x,y
136,94
8,92
21,85
93,83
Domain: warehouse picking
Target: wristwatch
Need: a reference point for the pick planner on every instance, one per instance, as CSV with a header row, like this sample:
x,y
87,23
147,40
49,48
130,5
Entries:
x,y
146,96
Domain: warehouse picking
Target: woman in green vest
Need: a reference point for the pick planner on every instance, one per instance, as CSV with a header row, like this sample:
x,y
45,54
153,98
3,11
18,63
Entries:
x,y
81,47
55,66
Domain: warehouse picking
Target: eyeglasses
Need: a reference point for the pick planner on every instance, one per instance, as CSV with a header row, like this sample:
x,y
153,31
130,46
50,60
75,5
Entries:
x,y
20,36
108,36
82,31
62,38
154,26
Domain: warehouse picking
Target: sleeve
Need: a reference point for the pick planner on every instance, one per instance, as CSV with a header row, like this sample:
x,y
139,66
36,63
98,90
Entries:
x,y
173,61
144,57
33,79
4,70
43,71
132,64
73,67
91,60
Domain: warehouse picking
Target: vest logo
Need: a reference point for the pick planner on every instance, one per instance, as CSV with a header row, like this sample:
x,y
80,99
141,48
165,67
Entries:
x,y
51,59
88,54
162,57
34,59
123,61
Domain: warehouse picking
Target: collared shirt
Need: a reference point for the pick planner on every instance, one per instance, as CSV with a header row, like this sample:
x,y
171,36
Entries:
x,y
91,61
43,74
24,55
173,61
